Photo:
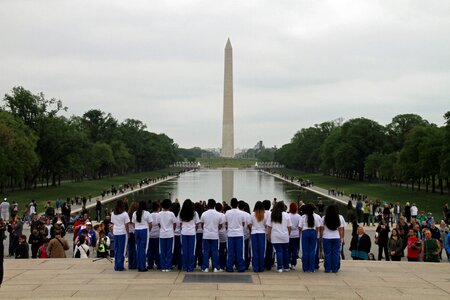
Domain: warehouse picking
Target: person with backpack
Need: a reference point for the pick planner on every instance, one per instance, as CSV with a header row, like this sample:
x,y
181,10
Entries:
x,y
81,249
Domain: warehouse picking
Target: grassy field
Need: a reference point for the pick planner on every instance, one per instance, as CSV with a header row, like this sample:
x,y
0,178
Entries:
x,y
428,202
84,188
227,163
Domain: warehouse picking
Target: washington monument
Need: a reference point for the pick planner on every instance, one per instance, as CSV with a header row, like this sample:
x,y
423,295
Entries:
x,y
228,128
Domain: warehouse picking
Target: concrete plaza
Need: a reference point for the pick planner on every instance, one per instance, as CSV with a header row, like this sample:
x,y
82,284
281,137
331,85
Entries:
x,y
84,279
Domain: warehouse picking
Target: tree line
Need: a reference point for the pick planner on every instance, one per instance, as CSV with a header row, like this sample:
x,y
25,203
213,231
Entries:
x,y
38,145
407,151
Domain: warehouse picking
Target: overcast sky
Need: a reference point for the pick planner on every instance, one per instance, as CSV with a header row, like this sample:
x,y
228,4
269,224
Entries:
x,y
296,63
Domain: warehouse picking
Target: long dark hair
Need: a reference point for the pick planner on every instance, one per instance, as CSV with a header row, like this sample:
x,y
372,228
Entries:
x,y
259,211
175,208
141,208
133,207
309,210
187,211
277,212
198,208
120,207
332,220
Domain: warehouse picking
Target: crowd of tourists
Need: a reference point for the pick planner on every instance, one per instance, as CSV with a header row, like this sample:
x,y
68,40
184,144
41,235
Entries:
x,y
399,230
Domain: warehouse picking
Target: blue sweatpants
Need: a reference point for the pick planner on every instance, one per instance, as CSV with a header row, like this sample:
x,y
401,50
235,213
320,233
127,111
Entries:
x,y
332,255
258,251
309,243
141,248
210,249
188,252
235,253
120,243
153,253
293,250
281,250
132,259
166,252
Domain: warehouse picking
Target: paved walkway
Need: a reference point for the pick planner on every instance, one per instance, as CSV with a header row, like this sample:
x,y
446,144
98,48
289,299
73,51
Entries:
x,y
315,189
83,279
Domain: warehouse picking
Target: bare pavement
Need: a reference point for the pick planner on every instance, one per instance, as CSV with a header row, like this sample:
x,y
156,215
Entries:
x,y
85,279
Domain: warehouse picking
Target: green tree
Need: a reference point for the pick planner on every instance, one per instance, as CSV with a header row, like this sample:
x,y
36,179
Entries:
x,y
17,155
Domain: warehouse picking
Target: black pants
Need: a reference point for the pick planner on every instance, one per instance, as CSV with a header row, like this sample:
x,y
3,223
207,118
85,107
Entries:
x,y
269,260
396,258
380,252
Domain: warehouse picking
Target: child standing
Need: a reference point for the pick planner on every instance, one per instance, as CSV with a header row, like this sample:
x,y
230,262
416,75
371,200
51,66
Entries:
x,y
167,222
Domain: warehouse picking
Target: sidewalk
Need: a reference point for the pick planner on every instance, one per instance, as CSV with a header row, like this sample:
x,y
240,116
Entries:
x,y
315,189
84,279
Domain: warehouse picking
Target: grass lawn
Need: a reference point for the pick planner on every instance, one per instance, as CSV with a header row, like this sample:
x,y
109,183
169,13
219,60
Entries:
x,y
84,188
222,162
428,202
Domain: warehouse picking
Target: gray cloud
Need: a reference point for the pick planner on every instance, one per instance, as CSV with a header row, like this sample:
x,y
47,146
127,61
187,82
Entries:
x,y
296,63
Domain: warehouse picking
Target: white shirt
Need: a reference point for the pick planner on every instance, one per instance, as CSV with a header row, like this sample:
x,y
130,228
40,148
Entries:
x,y
304,222
414,210
188,228
295,220
235,222
177,230
258,227
119,222
332,234
248,220
32,209
154,232
223,237
145,220
166,219
211,220
280,233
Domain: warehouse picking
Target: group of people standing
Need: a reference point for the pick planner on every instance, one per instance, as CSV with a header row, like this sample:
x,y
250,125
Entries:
x,y
220,237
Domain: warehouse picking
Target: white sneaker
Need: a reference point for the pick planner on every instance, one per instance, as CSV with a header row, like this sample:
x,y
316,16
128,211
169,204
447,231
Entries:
x,y
287,270
218,270
164,270
280,270
169,270
206,270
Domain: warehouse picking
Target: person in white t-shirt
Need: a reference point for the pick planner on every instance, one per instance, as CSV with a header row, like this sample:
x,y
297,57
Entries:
x,y
235,220
332,235
269,259
153,241
279,228
245,208
142,223
294,237
188,219
258,236
167,222
120,219
222,238
176,260
211,221
309,226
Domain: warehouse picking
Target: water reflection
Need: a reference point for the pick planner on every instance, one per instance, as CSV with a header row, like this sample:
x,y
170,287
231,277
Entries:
x,y
227,184
223,184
